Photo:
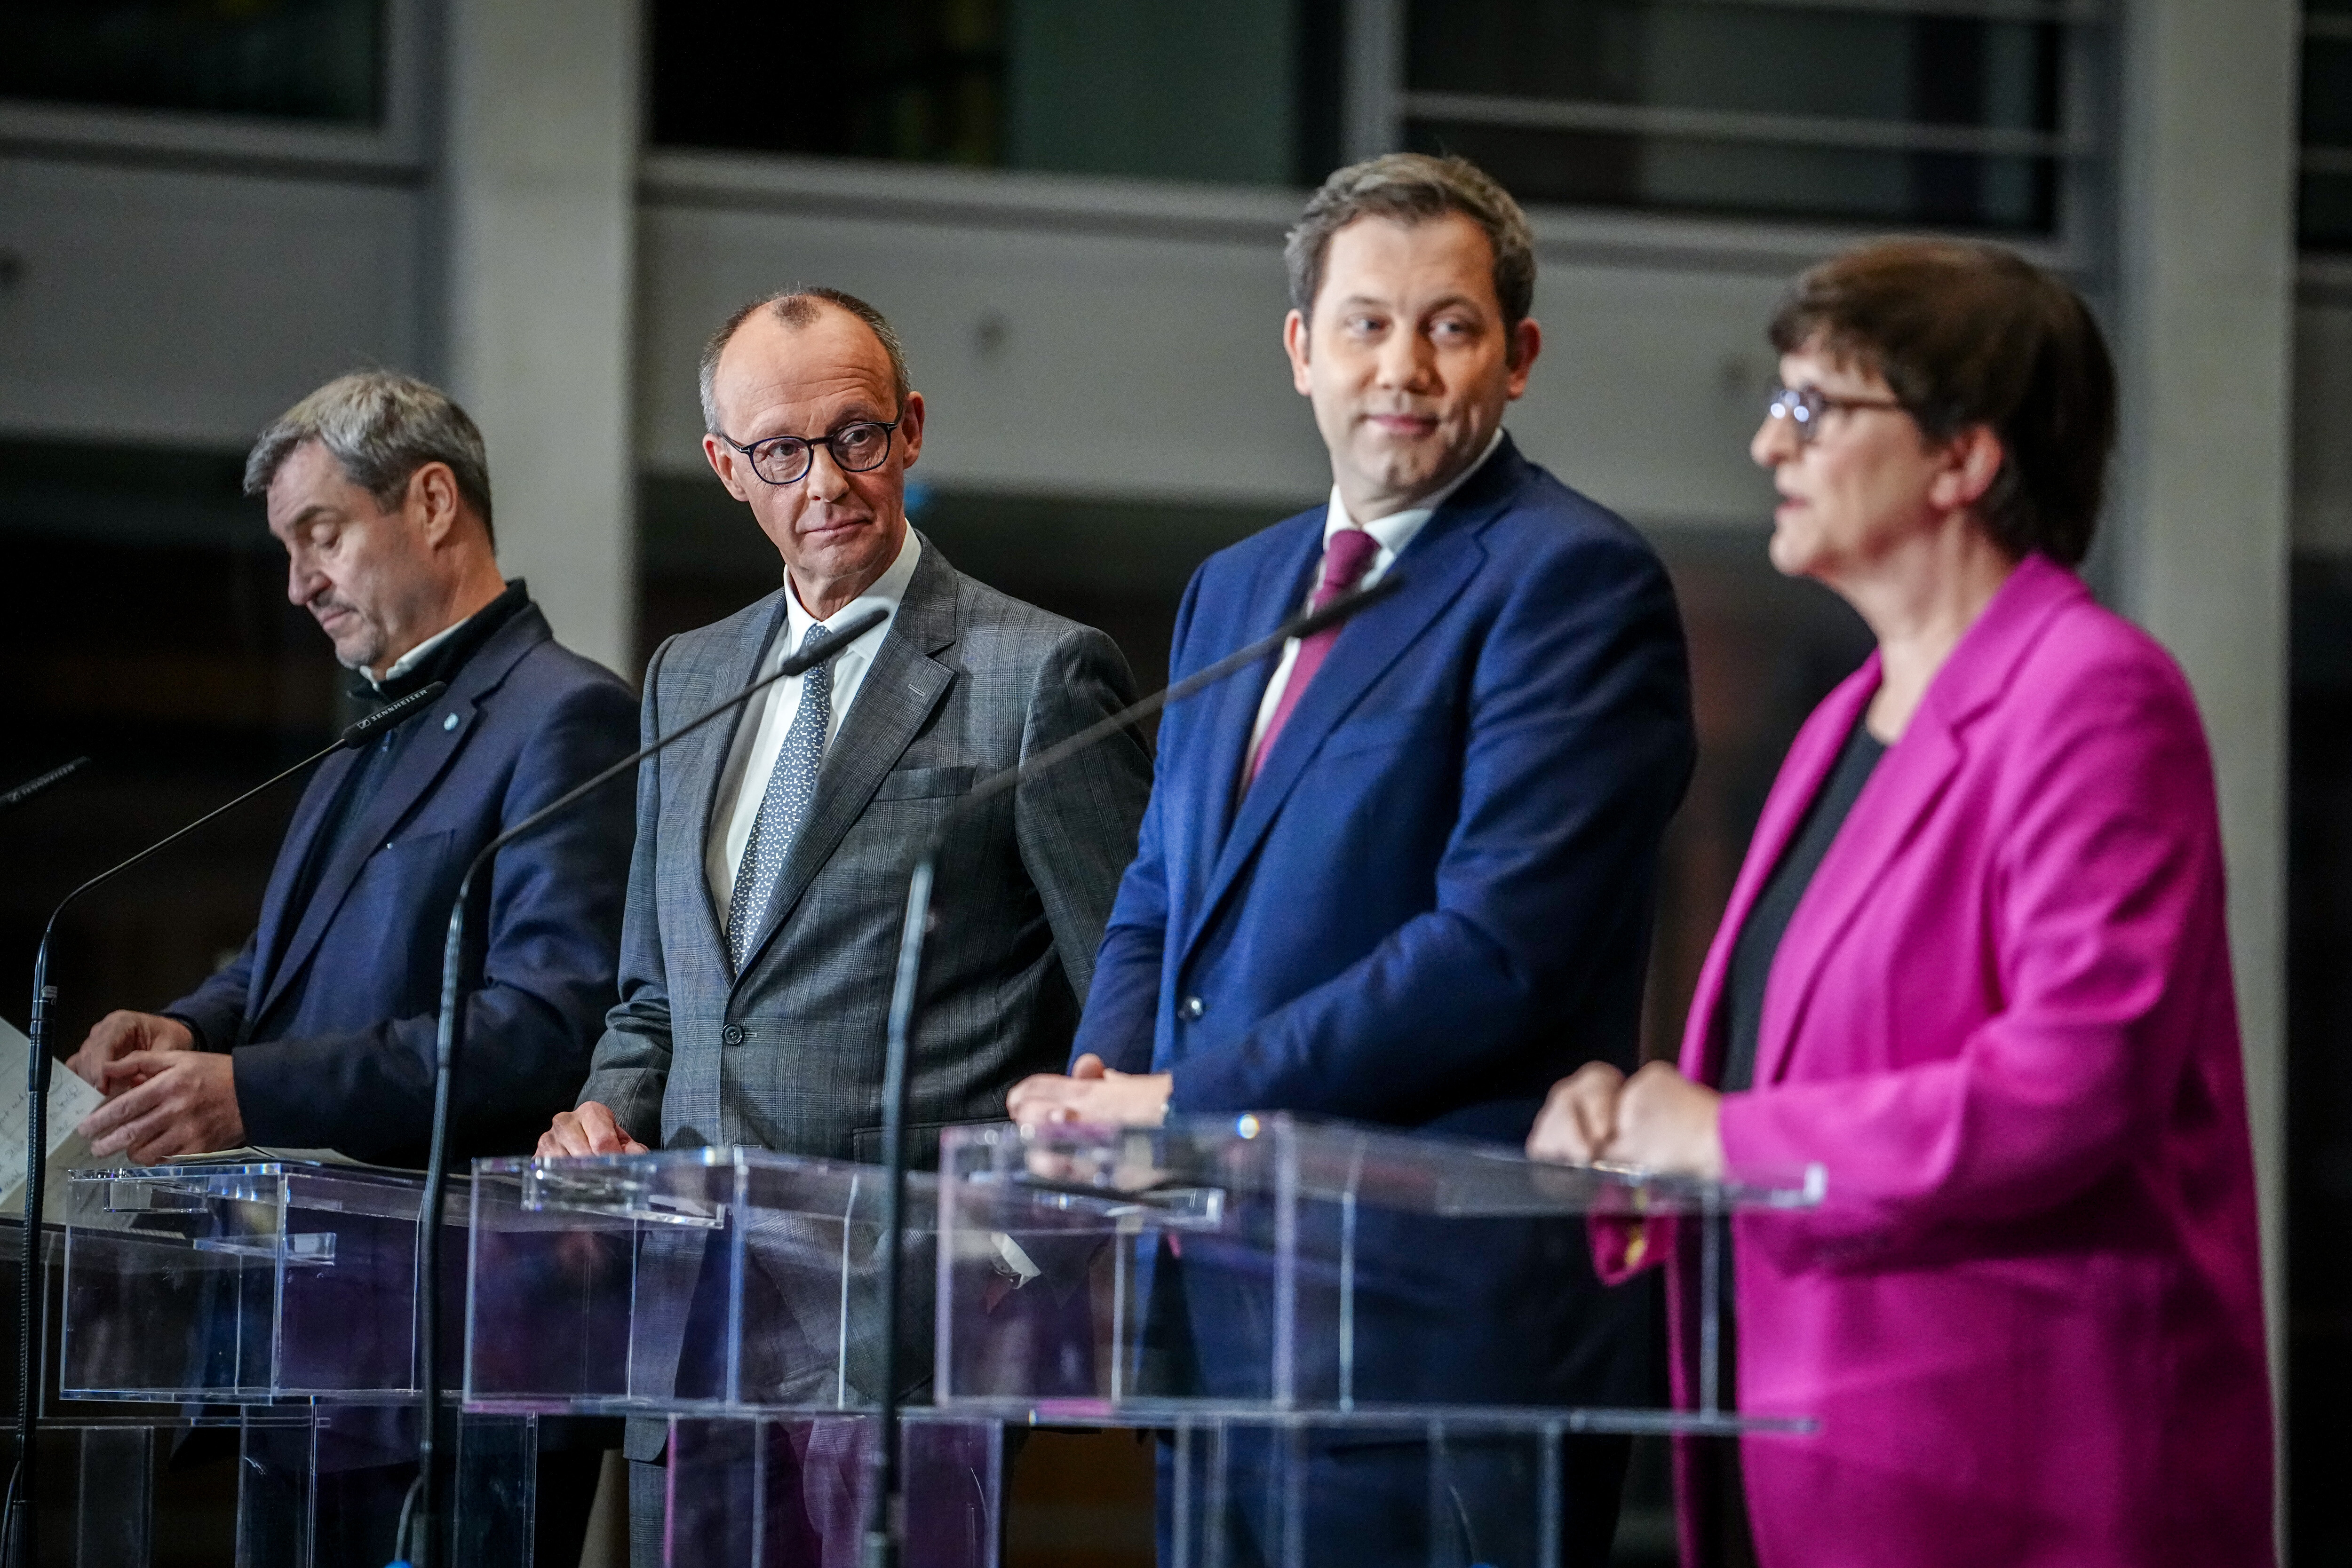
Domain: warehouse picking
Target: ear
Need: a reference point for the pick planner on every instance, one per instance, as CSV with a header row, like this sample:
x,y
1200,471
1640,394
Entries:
x,y
1294,343
722,459
910,428
433,502
1971,461
1526,342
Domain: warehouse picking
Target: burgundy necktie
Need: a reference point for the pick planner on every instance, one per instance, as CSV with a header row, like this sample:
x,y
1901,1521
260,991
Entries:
x,y
1346,556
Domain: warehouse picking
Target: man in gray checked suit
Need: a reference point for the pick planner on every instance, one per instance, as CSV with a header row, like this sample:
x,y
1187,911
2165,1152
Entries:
x,y
770,873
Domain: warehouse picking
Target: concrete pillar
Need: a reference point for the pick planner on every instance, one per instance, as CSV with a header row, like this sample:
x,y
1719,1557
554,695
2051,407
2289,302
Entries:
x,y
540,220
2205,261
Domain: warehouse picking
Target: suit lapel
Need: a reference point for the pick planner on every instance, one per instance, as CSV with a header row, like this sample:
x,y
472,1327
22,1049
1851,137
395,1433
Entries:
x,y
709,750
1233,702
1434,569
1802,772
897,697
301,844
425,751
1901,795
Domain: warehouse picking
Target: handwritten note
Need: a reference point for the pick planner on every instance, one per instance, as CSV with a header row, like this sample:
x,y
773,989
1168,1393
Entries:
x,y
69,1100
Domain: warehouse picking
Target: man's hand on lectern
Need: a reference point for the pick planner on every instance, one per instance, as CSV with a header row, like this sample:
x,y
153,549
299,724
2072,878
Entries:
x,y
1093,1093
589,1130
162,1103
119,1034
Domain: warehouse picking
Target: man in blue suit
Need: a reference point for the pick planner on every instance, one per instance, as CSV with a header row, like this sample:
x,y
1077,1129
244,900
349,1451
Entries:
x,y
320,1033
1407,876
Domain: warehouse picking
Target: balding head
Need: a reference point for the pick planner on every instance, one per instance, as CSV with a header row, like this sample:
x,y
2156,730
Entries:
x,y
816,372
796,308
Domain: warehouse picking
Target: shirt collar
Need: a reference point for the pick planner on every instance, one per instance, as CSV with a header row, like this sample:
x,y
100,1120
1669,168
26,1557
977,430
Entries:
x,y
442,654
884,594
419,654
1397,530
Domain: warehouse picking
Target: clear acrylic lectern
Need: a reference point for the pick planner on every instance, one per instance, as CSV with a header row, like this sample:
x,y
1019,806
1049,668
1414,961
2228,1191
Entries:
x,y
1309,1232
733,1296
277,1298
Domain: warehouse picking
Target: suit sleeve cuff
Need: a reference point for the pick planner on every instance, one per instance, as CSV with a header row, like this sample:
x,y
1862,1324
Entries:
x,y
196,1030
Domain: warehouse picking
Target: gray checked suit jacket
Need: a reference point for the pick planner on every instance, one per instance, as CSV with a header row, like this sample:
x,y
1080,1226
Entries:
x,y
788,1055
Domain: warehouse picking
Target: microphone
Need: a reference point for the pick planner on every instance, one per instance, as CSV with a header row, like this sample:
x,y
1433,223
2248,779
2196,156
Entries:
x,y
885,1512
17,1537
42,785
424,1540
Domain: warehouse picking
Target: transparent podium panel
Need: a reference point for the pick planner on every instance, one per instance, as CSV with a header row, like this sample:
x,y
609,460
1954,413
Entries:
x,y
1253,1265
706,1281
1362,1494
238,1282
97,1502
791,1492
333,1490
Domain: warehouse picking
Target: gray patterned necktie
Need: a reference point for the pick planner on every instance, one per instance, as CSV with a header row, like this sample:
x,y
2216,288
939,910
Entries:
x,y
792,788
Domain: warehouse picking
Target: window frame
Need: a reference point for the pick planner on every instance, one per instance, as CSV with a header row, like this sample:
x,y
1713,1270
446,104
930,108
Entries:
x,y
395,147
1377,106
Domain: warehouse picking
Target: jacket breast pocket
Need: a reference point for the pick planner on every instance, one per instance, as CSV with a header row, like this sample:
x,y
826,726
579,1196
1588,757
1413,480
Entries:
x,y
1385,731
923,783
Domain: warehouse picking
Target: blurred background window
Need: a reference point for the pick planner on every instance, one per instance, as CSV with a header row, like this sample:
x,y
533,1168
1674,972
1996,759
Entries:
x,y
282,59
1235,91
2324,211
1945,112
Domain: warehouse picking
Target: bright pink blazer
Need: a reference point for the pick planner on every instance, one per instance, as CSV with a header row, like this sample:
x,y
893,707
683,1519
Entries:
x,y
2030,1316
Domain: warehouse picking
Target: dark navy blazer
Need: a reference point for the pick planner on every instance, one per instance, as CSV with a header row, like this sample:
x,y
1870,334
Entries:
x,y
331,1006
1436,898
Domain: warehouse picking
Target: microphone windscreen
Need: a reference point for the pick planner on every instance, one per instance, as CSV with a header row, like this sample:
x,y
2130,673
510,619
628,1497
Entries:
x,y
393,713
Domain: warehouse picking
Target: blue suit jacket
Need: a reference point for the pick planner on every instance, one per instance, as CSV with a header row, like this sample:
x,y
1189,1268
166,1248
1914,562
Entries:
x,y
330,1007
1435,900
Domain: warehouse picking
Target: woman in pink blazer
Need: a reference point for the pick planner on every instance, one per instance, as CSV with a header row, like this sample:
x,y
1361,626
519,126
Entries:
x,y
1975,965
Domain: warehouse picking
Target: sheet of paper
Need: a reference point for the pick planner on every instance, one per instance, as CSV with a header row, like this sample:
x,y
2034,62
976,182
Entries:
x,y
69,1099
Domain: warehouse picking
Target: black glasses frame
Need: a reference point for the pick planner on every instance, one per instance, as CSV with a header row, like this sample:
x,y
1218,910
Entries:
x,y
808,445
1802,407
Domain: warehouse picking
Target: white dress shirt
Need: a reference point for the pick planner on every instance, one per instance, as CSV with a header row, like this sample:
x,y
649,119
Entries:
x,y
1394,532
415,655
759,734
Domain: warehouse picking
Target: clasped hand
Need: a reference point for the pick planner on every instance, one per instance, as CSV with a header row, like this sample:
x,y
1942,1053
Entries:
x,y
1093,1093
164,1097
1656,1120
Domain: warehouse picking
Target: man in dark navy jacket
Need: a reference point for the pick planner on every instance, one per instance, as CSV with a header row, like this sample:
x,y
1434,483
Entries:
x,y
1406,875
320,1033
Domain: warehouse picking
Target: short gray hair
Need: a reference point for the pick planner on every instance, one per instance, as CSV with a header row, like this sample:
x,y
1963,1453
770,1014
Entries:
x,y
1413,188
797,307
380,427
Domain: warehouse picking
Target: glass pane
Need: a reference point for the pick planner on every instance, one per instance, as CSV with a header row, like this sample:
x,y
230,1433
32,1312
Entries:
x,y
2328,91
287,59
1937,71
1230,90
1687,174
1745,59
2324,215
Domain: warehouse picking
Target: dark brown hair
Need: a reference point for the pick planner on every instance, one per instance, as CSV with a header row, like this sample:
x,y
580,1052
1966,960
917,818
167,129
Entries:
x,y
1965,334
796,308
1413,188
